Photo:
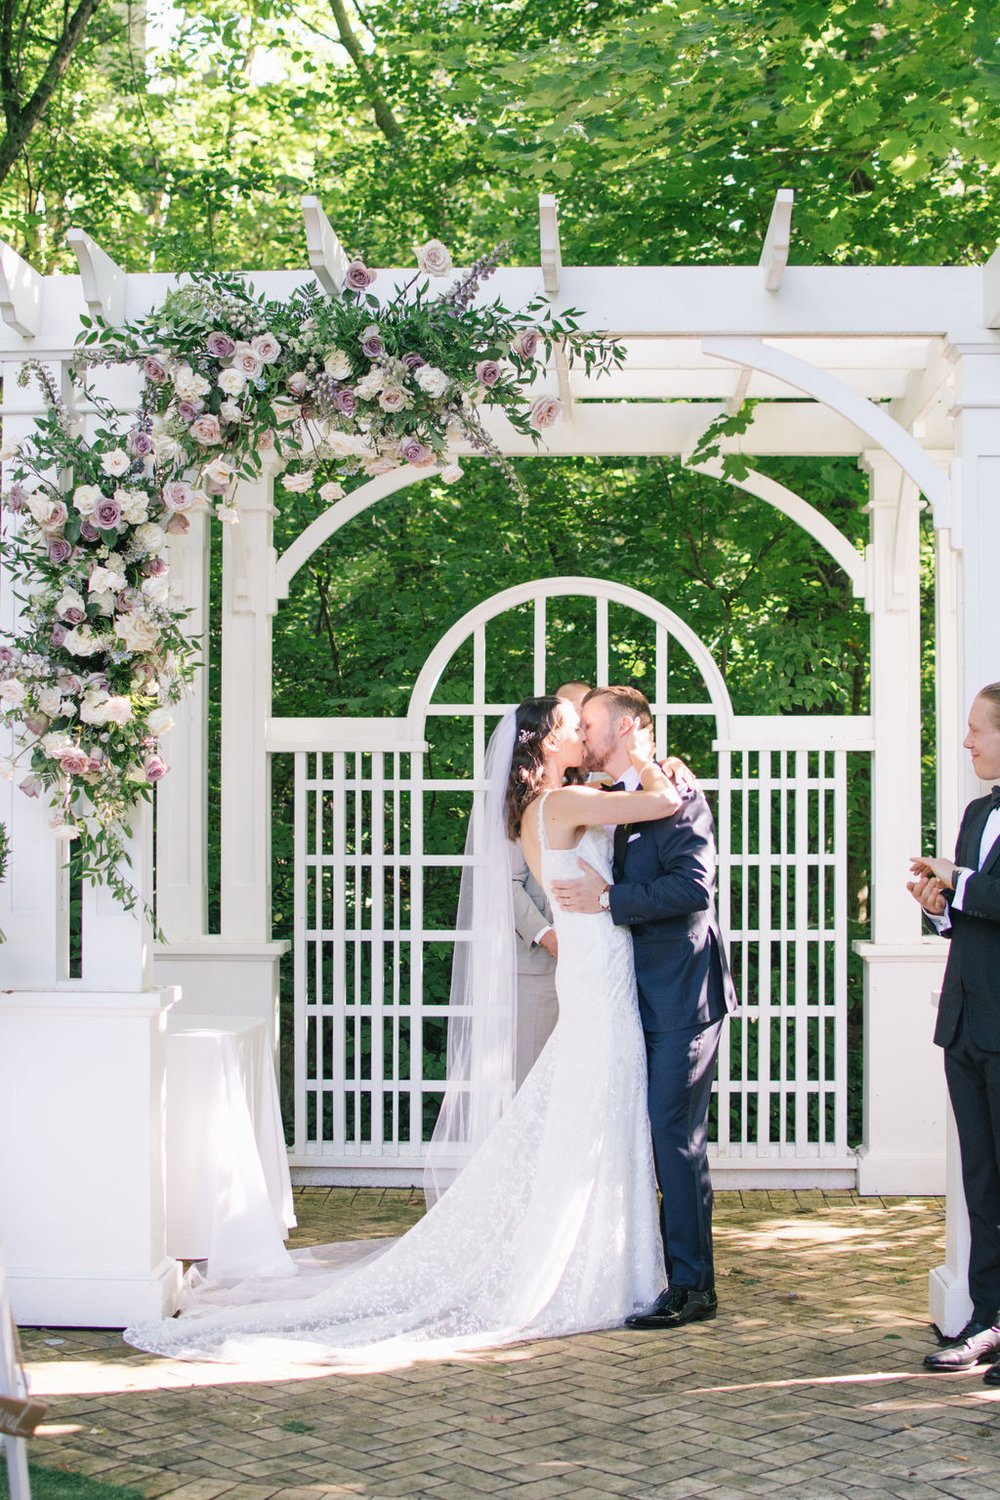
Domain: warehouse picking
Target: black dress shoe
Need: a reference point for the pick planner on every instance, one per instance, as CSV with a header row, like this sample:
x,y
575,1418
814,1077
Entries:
x,y
675,1307
976,1341
992,1376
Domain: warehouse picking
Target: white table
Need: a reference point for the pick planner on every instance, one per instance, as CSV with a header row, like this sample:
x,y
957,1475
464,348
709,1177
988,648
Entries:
x,y
229,1193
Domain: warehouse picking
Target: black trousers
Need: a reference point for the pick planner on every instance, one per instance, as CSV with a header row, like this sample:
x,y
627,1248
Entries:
x,y
681,1068
974,1086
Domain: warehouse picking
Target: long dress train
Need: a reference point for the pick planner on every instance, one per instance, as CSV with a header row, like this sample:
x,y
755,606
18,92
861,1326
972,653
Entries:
x,y
550,1229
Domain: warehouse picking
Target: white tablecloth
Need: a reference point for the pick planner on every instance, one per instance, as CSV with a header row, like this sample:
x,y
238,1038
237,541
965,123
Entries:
x,y
229,1193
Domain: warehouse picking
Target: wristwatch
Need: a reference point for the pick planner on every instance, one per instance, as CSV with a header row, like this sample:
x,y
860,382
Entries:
x,y
604,899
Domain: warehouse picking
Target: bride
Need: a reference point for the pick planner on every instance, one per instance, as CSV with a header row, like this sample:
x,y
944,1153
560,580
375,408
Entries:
x,y
550,1226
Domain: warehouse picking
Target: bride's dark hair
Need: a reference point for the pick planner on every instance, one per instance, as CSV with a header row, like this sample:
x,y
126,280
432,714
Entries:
x,y
534,719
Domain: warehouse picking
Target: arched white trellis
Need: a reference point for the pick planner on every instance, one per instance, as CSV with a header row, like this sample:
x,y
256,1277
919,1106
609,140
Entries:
x,y
897,366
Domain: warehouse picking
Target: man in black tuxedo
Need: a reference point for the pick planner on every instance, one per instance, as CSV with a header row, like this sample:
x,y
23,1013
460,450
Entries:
x,y
664,891
962,900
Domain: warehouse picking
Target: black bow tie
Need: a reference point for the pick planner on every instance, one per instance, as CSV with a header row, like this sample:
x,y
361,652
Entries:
x,y
619,786
995,798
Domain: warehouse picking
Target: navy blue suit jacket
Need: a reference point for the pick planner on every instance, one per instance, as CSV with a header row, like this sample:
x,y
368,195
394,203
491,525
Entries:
x,y
664,891
971,987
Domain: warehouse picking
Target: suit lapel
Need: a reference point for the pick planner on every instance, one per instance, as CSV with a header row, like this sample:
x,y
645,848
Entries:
x,y
969,853
621,839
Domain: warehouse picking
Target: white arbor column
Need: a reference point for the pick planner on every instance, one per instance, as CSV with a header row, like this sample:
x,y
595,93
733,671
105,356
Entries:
x,y
971,529
81,1069
904,1107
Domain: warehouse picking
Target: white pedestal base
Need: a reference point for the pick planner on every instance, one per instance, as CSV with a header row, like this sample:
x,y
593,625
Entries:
x,y
218,977
950,1303
82,1186
905,1099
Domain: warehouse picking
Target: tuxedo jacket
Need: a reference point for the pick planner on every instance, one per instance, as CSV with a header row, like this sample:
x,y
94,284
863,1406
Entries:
x,y
971,988
664,891
531,913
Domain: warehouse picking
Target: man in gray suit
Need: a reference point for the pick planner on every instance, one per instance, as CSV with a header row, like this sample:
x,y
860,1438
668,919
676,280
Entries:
x,y
537,1007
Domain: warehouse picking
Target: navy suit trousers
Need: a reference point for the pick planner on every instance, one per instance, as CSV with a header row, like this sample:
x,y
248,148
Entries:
x,y
681,1069
974,1086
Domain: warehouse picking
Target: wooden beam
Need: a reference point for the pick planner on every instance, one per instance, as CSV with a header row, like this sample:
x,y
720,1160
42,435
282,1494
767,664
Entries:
x,y
548,235
327,257
739,395
924,390
991,290
103,280
20,293
774,256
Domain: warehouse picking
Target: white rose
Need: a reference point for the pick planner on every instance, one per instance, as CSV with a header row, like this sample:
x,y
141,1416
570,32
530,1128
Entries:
x,y
135,508
452,473
41,509
69,599
83,642
188,385
159,721
104,602
12,692
230,411
431,380
337,364
49,702
116,463
137,632
232,382
218,470
55,743
102,579
151,538
86,498
369,385
115,563
92,707
433,259
167,449
331,491
156,590
118,710
298,483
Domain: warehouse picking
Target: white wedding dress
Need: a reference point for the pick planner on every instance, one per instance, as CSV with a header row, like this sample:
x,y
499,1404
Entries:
x,y
550,1229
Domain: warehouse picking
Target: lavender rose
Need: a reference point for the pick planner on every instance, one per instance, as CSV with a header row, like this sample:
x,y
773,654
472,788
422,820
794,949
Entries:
x,y
140,442
488,372
155,768
188,411
414,452
526,343
206,430
108,514
346,401
155,369
59,634
545,411
358,276
60,550
89,532
371,342
414,361
220,345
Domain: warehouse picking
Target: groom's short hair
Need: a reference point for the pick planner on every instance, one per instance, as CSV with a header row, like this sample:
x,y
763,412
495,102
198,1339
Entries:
x,y
622,701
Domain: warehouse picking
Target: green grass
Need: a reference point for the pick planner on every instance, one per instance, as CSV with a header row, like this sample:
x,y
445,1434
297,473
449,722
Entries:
x,y
57,1484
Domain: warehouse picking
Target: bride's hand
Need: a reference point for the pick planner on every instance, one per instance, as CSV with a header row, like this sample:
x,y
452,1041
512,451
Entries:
x,y
640,745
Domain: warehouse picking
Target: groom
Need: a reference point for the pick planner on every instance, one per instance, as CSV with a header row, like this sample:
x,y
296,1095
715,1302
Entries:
x,y
664,891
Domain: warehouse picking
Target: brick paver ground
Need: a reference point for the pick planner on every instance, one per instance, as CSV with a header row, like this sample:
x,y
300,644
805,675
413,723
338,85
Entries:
x,y
809,1384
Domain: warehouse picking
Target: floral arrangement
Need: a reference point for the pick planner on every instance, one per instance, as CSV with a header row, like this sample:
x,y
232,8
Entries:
x,y
335,388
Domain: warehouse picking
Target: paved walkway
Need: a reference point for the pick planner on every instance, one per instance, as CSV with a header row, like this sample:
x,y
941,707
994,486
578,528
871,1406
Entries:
x,y
808,1385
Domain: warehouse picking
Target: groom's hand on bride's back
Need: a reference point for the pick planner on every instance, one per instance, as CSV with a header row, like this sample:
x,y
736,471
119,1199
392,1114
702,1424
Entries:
x,y
582,895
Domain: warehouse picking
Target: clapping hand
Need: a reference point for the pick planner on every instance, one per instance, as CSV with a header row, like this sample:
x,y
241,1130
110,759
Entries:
x,y
926,888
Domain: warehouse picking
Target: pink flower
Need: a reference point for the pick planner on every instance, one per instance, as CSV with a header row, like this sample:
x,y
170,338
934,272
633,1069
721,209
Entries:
x,y
188,410
247,360
206,430
177,495
488,372
36,723
358,276
156,567
297,384
178,525
266,347
74,761
393,398
31,786
415,452
220,345
331,491
155,768
60,550
434,259
155,369
298,483
526,343
108,514
544,412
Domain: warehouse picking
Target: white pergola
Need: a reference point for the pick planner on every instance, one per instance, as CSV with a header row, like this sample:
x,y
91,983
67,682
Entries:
x,y
897,367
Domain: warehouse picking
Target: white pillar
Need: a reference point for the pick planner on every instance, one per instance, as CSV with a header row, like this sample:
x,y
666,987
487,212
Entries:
x,y
971,529
904,1106
81,1071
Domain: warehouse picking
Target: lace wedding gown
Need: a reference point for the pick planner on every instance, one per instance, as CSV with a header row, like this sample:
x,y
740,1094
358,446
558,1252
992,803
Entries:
x,y
550,1229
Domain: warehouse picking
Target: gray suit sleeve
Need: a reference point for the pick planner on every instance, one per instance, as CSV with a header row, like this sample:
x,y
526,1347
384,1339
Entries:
x,y
529,919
